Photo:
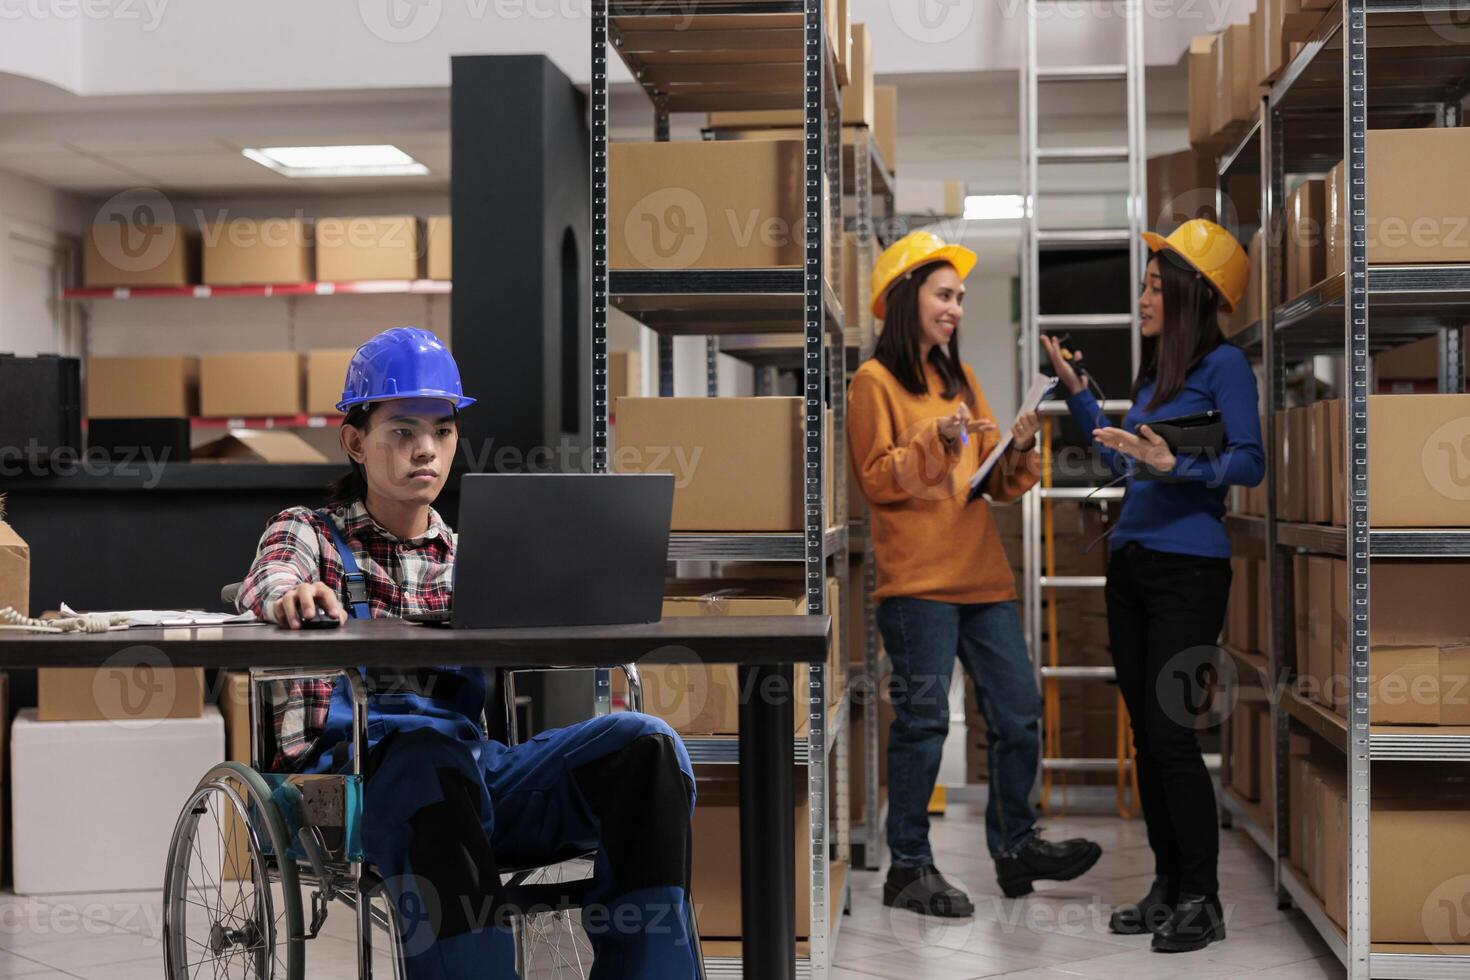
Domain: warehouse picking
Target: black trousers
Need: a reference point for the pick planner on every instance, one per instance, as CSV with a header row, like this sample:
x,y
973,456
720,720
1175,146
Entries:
x,y
1165,612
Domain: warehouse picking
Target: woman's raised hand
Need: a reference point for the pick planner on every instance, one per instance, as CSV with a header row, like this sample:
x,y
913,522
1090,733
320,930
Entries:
x,y
1061,365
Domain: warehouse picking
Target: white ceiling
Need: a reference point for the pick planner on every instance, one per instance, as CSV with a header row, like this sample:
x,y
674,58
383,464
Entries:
x,y
951,127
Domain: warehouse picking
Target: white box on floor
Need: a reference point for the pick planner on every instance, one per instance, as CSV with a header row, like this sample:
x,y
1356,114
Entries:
x,y
94,803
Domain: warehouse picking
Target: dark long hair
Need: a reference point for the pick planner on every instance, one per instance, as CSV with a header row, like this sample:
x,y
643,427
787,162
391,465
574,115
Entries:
x,y
1191,330
351,486
899,344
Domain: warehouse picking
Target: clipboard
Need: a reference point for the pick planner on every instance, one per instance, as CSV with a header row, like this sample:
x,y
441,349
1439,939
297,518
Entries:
x,y
1041,387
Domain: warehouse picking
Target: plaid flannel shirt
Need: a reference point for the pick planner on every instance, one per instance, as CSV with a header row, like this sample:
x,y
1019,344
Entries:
x,y
403,578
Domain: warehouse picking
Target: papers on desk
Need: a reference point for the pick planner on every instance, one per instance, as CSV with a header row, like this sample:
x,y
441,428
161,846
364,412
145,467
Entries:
x,y
1041,386
156,618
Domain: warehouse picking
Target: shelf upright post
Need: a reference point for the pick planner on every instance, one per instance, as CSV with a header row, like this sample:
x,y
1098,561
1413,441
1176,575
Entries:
x,y
816,160
1273,353
1355,344
602,678
1452,360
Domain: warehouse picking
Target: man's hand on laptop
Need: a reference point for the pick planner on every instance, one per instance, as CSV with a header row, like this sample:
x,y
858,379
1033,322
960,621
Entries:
x,y
307,600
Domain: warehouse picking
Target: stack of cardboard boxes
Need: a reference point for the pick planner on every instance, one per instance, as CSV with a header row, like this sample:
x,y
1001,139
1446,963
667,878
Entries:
x,y
267,252
1228,70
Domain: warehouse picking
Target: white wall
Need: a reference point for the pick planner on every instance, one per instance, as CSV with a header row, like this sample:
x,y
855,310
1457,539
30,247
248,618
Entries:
x,y
117,47
35,220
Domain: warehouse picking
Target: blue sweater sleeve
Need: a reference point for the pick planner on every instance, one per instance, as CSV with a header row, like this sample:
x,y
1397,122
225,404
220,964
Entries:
x,y
1243,463
1088,415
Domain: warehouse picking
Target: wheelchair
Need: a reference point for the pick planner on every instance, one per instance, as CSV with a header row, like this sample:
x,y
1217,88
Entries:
x,y
249,843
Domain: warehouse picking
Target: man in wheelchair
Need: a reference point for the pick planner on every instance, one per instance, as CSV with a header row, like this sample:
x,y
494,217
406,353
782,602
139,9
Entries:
x,y
444,806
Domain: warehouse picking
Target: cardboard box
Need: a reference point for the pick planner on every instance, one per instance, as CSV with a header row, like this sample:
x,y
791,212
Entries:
x,y
1418,603
258,384
715,885
1322,603
369,248
156,387
258,446
1418,200
15,569
885,123
1202,89
1181,186
1241,614
1338,637
705,205
1292,463
234,705
1419,685
1298,768
624,376
1233,64
116,255
705,700
1306,255
737,462
1420,863
858,107
1332,816
326,376
439,263
839,14
122,692
1419,467
1337,447
247,252
1301,611
1319,463
1244,753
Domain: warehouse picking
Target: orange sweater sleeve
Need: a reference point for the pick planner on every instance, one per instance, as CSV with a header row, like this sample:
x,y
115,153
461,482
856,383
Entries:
x,y
892,466
1015,472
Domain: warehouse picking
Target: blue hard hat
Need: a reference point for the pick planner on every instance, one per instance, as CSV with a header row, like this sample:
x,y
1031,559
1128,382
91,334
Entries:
x,y
402,362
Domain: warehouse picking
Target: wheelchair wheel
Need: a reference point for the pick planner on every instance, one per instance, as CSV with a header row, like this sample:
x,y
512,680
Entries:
x,y
553,945
231,910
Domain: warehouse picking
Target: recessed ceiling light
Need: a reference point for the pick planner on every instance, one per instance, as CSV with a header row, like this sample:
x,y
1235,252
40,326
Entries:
x,y
993,207
338,161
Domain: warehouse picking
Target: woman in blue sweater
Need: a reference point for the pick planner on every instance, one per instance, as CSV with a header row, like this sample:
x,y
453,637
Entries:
x,y
1169,570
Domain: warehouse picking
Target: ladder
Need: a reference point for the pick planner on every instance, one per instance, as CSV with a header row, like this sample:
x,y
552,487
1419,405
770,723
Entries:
x,y
1097,327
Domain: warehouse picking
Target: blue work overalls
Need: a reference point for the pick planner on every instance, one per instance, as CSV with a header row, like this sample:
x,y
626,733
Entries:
x,y
620,784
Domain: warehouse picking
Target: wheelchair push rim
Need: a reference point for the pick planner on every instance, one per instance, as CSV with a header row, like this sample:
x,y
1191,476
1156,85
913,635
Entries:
x,y
245,927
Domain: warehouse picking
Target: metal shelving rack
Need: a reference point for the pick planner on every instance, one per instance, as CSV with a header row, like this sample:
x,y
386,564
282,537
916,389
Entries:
x,y
1317,113
872,181
866,175
1035,242
756,63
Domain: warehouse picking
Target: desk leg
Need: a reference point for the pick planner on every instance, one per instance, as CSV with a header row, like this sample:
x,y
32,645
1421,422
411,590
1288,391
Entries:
x,y
767,837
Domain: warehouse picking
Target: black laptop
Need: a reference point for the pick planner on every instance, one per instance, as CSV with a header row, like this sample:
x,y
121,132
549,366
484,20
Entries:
x,y
561,549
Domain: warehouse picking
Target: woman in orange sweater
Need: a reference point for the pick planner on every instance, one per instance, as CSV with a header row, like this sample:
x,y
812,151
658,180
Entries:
x,y
918,428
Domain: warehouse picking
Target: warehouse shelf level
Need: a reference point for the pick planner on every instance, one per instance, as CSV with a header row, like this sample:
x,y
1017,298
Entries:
x,y
378,287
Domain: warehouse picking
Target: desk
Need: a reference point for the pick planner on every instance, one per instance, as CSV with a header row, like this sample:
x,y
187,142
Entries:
x,y
764,648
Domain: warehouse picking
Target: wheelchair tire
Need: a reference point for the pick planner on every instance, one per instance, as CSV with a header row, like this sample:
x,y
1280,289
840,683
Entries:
x,y
237,927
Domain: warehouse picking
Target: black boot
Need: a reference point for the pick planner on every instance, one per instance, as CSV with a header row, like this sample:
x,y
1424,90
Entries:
x,y
924,890
1150,912
1196,922
1041,860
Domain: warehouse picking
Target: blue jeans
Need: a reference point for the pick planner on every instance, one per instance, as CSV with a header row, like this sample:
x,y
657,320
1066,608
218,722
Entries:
x,y
922,638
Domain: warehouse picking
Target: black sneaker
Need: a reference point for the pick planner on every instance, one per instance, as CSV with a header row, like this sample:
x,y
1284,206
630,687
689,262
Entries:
x,y
1150,912
1196,922
924,890
1041,860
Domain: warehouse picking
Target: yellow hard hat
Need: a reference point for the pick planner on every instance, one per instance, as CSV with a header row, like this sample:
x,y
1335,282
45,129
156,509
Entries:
x,y
1213,252
907,254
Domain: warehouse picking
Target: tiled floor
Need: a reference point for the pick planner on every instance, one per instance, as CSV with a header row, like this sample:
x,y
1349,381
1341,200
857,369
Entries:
x,y
1058,933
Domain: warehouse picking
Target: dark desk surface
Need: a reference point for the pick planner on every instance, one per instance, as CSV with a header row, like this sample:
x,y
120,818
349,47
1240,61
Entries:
x,y
746,640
